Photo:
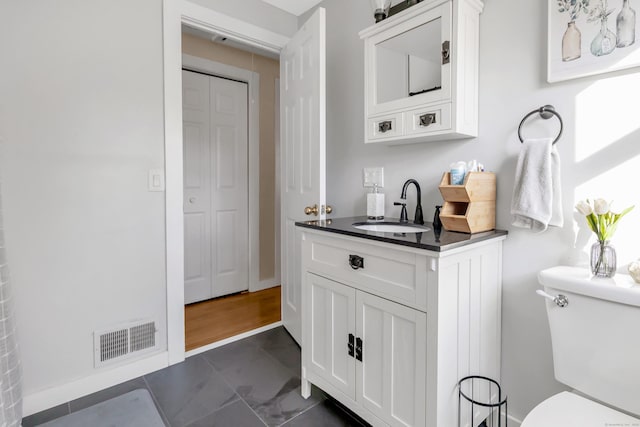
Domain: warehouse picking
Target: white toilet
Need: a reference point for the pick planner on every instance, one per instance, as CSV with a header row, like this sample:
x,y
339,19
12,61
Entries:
x,y
596,350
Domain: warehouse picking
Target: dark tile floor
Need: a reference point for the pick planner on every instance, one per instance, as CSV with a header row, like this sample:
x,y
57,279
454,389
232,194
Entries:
x,y
252,382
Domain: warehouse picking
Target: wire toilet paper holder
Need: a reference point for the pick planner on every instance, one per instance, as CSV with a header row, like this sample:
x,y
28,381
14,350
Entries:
x,y
495,405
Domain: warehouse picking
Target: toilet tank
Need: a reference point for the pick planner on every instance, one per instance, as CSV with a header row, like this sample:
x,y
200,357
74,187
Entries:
x,y
596,337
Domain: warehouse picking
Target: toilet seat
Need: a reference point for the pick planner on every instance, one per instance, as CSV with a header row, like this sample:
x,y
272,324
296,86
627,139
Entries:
x,y
568,410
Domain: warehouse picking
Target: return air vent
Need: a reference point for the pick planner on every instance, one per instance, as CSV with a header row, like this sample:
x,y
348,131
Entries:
x,y
127,341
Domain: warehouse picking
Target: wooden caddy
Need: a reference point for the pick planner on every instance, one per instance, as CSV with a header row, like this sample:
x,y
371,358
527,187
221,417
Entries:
x,y
470,207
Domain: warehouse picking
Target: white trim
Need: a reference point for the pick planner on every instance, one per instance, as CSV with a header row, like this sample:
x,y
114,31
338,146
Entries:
x,y
229,340
278,200
202,18
267,283
63,393
514,421
175,12
174,216
195,63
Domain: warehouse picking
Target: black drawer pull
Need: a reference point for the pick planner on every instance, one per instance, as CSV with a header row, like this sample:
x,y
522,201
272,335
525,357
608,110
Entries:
x,y
359,349
356,261
351,344
385,126
427,119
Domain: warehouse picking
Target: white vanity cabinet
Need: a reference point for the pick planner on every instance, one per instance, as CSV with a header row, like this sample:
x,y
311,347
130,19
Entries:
x,y
421,73
388,330
387,380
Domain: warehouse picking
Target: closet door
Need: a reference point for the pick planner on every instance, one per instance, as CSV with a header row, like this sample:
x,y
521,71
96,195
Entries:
x,y
229,186
215,141
197,186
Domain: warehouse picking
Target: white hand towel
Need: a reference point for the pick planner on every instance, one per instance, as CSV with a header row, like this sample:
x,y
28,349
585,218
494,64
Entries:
x,y
537,198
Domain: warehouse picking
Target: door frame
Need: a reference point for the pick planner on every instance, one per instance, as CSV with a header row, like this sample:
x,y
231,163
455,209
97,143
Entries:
x,y
175,13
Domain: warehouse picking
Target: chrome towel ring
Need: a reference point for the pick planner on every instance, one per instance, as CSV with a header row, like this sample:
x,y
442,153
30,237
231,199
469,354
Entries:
x,y
546,112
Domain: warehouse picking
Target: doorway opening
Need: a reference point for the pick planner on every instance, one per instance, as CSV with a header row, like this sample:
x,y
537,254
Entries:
x,y
231,230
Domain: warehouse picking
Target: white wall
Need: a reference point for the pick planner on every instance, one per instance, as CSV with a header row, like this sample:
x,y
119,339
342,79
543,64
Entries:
x,y
81,118
81,123
599,152
255,12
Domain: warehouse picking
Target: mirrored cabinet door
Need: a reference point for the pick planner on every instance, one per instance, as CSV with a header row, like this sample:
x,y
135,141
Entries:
x,y
407,65
410,63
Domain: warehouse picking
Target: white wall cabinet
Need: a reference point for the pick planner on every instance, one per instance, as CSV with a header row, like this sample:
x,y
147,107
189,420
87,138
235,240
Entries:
x,y
421,73
390,340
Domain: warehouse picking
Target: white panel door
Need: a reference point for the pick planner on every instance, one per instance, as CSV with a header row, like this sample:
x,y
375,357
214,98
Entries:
x,y
229,187
197,186
331,327
215,186
392,375
302,130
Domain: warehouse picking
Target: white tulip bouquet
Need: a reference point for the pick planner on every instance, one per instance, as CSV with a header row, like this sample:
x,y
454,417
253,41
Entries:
x,y
600,218
603,222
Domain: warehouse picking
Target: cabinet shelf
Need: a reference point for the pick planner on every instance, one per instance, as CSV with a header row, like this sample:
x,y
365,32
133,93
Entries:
x,y
470,207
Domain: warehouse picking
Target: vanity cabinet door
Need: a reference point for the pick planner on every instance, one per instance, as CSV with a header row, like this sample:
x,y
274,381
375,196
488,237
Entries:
x,y
392,374
331,324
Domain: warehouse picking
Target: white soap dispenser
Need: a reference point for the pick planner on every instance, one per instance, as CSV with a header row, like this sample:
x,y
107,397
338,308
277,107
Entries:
x,y
375,204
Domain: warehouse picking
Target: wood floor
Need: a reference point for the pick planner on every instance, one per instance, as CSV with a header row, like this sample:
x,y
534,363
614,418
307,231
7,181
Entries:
x,y
216,319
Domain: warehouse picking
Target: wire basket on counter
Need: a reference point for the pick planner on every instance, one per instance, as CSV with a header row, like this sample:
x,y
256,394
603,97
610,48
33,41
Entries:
x,y
481,403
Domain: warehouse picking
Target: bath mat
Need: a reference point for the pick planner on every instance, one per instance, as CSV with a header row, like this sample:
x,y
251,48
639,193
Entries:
x,y
133,409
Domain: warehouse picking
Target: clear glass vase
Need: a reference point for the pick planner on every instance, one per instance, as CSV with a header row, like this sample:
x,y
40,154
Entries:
x,y
603,259
571,42
605,42
626,25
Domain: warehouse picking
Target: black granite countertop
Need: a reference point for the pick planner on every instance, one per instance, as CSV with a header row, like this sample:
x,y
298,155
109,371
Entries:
x,y
427,240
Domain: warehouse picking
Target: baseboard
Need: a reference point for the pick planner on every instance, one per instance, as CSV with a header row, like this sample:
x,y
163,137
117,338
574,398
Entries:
x,y
54,396
513,422
265,284
229,340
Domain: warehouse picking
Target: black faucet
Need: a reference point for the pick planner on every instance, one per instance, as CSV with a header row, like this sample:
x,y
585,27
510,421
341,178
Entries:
x,y
418,219
403,211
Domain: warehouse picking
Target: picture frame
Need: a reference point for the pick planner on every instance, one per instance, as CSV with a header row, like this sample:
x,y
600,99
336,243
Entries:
x,y
589,37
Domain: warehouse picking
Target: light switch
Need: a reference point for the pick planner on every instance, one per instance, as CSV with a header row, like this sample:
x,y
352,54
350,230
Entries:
x,y
371,176
156,179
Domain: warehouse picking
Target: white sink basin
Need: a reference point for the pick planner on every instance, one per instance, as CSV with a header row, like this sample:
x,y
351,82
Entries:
x,y
390,227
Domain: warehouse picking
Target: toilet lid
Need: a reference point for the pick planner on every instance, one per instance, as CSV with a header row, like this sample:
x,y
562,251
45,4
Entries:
x,y
568,409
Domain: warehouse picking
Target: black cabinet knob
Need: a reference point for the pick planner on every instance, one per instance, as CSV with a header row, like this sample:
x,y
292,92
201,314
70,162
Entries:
x,y
356,261
359,349
351,345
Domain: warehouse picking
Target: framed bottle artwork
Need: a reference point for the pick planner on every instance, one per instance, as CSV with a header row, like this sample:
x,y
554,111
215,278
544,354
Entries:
x,y
587,37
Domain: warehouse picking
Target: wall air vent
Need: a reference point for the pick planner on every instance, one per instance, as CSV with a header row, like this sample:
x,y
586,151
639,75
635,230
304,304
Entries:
x,y
124,342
